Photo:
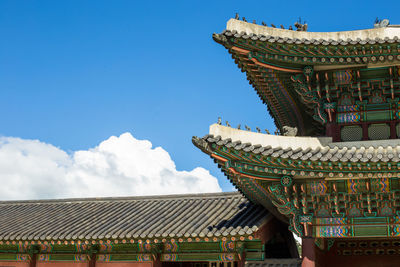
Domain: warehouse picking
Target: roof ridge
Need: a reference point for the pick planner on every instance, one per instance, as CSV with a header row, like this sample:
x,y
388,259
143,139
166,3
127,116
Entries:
x,y
126,198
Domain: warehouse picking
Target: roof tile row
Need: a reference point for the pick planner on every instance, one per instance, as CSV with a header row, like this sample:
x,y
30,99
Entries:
x,y
277,39
323,153
199,215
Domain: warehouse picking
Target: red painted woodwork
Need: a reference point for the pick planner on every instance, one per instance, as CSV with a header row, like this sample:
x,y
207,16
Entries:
x,y
124,264
268,230
33,260
332,130
14,263
61,264
393,134
364,261
92,262
364,131
334,258
308,252
242,261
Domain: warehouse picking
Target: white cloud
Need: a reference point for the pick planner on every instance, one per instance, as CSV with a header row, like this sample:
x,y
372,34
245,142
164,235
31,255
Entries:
x,y
119,166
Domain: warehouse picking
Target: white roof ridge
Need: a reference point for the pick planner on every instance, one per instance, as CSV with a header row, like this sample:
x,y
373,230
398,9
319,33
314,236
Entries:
x,y
295,142
251,28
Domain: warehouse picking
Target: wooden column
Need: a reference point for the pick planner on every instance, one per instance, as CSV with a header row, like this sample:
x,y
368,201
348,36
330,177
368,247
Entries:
x,y
308,252
333,130
365,131
157,260
32,263
92,262
393,133
242,261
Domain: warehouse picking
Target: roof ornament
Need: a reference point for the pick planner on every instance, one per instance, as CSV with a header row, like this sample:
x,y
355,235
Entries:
x,y
289,131
263,23
237,16
238,127
381,23
227,124
254,21
244,19
247,128
220,38
258,130
219,121
266,130
302,27
273,25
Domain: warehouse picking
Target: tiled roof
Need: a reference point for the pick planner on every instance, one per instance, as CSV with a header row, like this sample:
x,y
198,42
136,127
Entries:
x,y
174,216
332,152
274,263
278,39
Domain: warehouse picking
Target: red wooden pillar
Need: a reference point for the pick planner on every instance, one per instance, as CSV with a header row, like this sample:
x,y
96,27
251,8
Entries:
x,y
92,262
32,263
157,261
242,260
365,131
308,252
333,130
393,133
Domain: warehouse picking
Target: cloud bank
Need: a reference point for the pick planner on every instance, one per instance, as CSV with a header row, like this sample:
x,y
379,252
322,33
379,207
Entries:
x,y
118,166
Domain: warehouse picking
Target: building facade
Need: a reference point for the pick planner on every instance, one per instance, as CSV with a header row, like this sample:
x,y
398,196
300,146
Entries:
x,y
333,174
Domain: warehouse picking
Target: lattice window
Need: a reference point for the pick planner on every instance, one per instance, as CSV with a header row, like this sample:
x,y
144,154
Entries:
x,y
379,131
398,129
221,264
351,133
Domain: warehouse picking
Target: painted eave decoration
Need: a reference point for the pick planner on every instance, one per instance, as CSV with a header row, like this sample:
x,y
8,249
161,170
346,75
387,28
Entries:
x,y
323,189
296,73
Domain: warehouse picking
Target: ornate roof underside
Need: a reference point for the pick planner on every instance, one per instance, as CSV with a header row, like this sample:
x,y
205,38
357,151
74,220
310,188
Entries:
x,y
315,183
201,216
273,57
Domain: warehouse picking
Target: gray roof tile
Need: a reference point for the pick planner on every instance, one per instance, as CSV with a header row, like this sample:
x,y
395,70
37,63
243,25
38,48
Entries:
x,y
295,262
324,153
215,214
273,39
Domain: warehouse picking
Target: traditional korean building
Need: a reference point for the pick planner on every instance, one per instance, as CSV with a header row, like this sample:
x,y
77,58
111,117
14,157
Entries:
x,y
333,175
202,230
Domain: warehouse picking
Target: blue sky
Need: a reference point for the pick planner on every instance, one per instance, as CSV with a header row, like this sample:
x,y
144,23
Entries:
x,y
74,73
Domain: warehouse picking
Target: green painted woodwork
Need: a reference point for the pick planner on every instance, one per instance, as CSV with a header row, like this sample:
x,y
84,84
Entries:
x,y
310,98
340,199
185,251
254,256
8,256
123,257
272,168
62,257
64,248
9,249
296,55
